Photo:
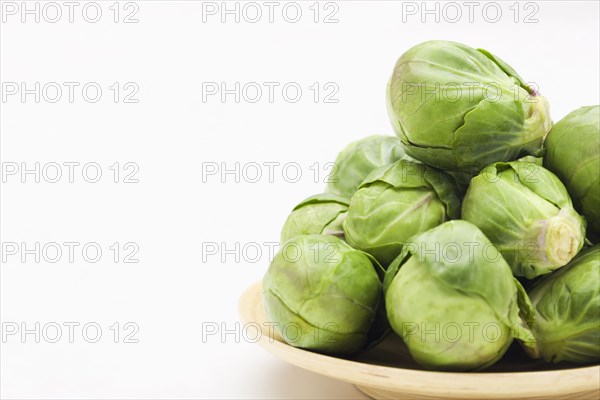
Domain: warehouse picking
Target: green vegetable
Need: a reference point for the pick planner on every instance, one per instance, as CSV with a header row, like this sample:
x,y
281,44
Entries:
x,y
322,294
453,299
459,108
322,213
573,153
396,202
526,212
359,159
567,305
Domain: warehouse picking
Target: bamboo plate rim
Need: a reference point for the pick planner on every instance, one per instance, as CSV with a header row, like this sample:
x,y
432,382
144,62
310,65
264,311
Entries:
x,y
551,383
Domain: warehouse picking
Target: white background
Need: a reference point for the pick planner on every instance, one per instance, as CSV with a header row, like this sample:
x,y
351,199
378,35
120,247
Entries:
x,y
174,212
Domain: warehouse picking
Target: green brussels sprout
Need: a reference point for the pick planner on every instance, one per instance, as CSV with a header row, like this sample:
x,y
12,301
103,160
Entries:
x,y
527,213
573,153
323,213
359,159
567,317
453,299
459,108
396,202
322,294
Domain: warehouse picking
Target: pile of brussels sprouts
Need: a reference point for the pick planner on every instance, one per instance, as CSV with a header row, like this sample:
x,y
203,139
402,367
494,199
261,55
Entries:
x,y
477,225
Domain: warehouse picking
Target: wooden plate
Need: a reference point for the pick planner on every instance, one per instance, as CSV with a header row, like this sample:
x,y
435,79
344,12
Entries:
x,y
388,372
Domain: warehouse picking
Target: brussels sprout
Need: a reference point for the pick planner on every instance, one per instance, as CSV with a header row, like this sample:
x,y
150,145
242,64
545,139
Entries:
x,y
453,299
527,213
322,294
567,305
394,203
322,213
573,153
459,108
359,158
